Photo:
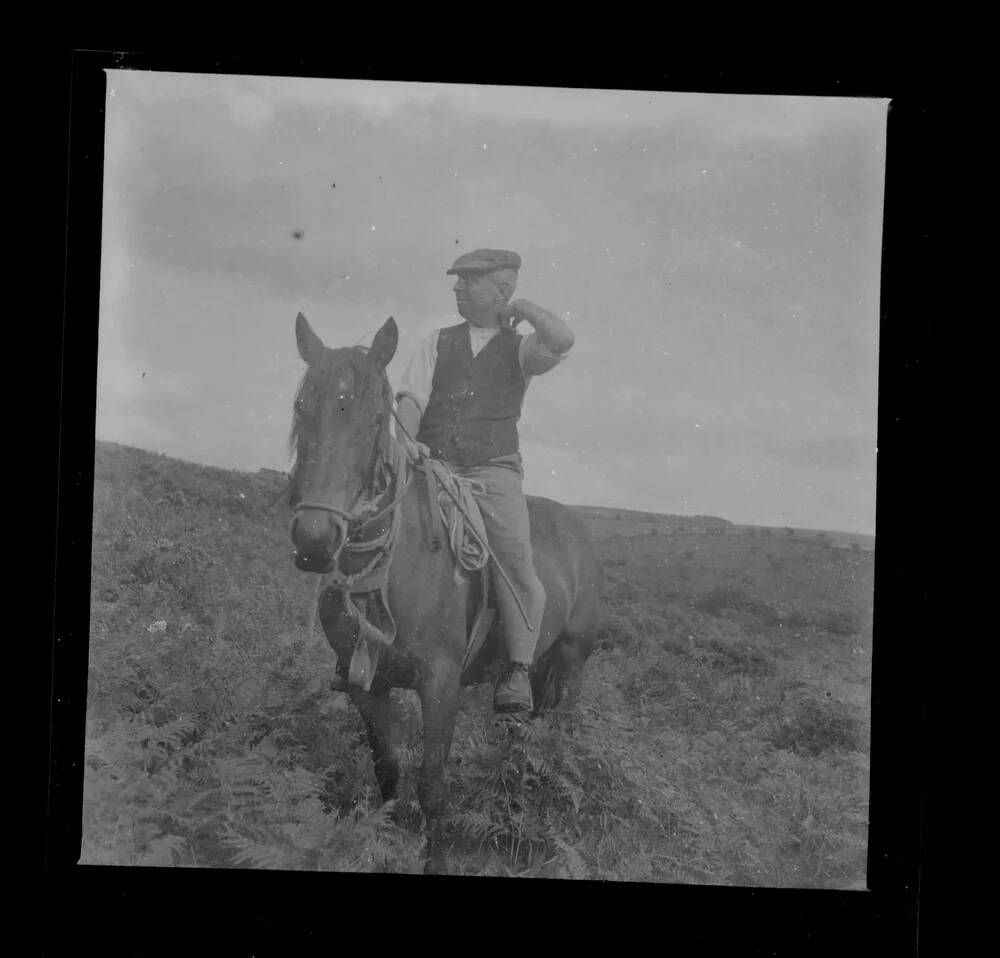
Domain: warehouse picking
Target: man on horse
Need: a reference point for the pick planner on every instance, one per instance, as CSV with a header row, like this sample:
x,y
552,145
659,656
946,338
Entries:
x,y
460,397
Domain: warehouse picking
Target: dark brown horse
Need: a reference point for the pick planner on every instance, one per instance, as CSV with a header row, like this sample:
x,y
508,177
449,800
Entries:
x,y
346,490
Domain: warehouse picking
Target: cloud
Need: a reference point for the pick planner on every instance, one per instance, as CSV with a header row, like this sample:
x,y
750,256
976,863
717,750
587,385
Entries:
x,y
253,99
568,475
716,256
740,485
832,454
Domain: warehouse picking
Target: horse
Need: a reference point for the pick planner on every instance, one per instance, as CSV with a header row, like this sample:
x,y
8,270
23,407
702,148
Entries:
x,y
353,490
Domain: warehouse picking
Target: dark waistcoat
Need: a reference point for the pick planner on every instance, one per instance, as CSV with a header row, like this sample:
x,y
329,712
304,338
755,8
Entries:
x,y
475,401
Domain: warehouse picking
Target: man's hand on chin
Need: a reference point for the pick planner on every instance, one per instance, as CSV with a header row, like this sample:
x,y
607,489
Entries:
x,y
513,314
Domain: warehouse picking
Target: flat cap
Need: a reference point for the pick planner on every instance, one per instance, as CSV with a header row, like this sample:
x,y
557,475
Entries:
x,y
486,259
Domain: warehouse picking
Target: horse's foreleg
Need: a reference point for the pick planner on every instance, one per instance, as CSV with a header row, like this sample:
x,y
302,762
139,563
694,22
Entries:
x,y
439,703
375,709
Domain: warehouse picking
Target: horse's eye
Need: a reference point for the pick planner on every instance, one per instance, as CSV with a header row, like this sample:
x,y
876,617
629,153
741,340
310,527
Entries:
x,y
304,406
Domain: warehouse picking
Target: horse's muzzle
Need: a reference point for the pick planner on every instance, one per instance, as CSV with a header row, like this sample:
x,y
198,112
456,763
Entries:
x,y
318,537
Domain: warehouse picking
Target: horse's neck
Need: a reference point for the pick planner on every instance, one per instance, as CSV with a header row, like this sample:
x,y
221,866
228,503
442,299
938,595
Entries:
x,y
410,505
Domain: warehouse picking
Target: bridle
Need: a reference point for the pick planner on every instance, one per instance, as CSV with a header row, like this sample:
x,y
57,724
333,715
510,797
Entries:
x,y
365,510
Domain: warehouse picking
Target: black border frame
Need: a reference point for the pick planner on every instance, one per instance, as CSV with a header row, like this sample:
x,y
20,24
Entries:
x,y
170,909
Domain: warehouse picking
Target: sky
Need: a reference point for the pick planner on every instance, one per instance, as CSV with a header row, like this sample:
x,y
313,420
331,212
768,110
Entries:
x,y
717,257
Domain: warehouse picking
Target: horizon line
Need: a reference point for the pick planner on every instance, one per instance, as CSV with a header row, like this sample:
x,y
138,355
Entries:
x,y
619,508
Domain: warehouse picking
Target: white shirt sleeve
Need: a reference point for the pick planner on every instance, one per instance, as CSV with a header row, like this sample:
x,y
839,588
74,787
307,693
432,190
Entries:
x,y
418,374
532,348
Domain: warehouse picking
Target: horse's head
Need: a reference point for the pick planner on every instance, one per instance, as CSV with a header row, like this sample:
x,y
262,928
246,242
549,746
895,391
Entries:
x,y
340,433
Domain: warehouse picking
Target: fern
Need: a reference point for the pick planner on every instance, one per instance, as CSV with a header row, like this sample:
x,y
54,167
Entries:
x,y
573,864
163,850
697,753
477,824
258,851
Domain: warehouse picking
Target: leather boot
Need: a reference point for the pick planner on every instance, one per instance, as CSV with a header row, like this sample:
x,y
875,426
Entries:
x,y
513,691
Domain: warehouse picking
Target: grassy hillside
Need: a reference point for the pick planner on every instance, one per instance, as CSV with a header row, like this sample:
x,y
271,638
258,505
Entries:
x,y
722,736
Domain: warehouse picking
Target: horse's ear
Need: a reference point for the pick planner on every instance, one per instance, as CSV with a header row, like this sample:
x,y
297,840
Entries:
x,y
384,344
310,345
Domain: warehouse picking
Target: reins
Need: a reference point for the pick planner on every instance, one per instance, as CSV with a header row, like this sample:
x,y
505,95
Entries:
x,y
360,518
384,544
346,517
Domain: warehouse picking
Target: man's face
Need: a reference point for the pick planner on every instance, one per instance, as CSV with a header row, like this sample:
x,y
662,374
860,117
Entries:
x,y
478,297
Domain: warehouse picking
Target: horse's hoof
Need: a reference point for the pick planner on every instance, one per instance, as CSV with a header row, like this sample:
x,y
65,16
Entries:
x,y
435,867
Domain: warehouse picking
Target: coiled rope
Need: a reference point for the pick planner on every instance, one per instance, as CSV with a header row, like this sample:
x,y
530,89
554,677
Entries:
x,y
457,502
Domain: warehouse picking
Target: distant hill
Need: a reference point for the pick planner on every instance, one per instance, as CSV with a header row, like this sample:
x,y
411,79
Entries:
x,y
663,519
827,537
634,521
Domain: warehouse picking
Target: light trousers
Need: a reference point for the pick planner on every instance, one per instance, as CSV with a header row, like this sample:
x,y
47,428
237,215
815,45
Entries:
x,y
505,515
